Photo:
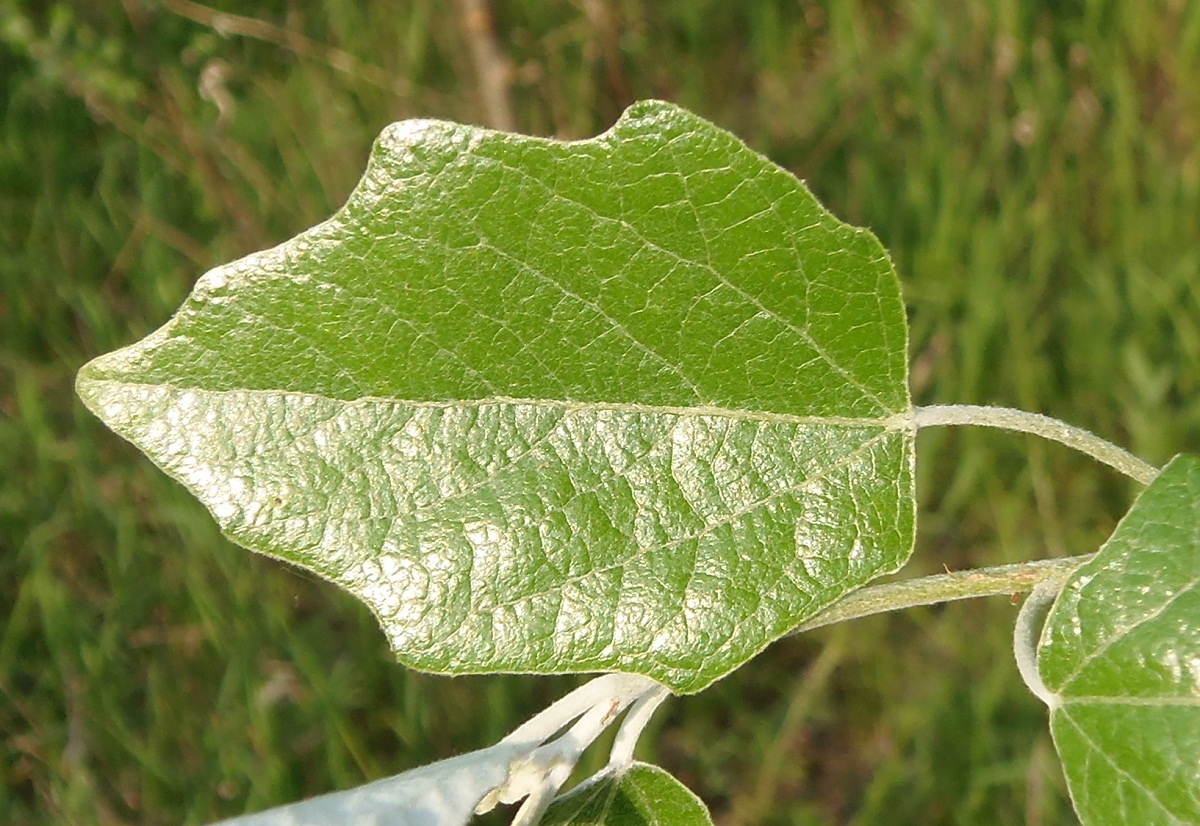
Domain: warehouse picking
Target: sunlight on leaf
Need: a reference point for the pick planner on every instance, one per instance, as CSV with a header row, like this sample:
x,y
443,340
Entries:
x,y
636,403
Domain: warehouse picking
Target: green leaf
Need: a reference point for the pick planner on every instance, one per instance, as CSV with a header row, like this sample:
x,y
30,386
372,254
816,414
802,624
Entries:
x,y
636,403
644,795
1121,652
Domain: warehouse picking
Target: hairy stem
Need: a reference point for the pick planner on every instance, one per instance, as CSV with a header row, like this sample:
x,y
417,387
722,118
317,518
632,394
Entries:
x,y
1026,634
1007,418
931,590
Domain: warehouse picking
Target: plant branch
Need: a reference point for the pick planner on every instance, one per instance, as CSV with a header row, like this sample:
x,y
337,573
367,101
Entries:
x,y
1007,418
931,590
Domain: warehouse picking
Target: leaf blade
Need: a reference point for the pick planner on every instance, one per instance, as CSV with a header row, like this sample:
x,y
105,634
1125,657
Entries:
x,y
643,795
558,433
1121,650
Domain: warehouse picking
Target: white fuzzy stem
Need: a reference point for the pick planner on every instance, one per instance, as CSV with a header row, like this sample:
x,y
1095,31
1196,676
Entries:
x,y
1007,418
622,687
621,756
592,706
555,761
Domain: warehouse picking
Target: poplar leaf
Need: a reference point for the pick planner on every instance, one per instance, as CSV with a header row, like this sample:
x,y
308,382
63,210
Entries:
x,y
1121,652
634,403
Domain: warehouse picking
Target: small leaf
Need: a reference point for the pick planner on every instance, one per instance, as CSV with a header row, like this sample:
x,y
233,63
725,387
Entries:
x,y
1121,650
636,403
644,795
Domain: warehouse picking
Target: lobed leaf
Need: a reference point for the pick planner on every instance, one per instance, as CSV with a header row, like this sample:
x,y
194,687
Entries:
x,y
1121,653
635,403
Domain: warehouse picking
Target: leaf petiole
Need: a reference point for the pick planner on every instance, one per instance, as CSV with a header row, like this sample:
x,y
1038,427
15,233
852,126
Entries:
x,y
1007,418
931,590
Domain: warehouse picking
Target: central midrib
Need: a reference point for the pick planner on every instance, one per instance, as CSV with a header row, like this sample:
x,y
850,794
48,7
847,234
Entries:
x,y
894,420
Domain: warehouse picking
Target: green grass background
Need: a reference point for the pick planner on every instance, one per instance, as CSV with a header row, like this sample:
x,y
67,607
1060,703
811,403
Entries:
x,y
1033,167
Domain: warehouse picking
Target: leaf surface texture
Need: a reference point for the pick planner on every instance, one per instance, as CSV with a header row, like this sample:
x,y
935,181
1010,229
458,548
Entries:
x,y
1121,649
634,403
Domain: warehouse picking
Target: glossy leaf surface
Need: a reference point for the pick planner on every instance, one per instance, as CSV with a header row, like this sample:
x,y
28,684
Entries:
x,y
635,403
644,795
1121,653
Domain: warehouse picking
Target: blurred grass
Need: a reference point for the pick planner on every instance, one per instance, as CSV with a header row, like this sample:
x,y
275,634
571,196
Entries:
x,y
1034,169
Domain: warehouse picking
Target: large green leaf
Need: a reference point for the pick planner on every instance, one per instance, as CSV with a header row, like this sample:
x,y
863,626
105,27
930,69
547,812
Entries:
x,y
1121,653
644,795
635,403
